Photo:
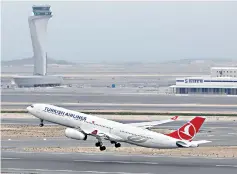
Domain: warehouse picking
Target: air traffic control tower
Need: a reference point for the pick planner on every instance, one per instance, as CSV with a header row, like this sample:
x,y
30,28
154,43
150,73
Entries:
x,y
38,23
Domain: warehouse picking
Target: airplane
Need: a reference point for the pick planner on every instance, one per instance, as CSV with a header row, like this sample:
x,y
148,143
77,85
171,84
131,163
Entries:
x,y
80,126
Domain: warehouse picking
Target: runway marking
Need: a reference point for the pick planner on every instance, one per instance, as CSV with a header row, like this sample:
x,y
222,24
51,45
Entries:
x,y
232,133
215,139
226,165
119,162
225,135
10,158
74,171
217,158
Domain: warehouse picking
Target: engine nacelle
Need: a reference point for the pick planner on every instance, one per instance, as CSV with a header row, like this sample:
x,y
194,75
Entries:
x,y
75,134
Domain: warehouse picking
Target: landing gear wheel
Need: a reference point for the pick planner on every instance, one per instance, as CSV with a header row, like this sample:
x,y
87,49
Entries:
x,y
117,145
41,123
102,148
98,144
112,142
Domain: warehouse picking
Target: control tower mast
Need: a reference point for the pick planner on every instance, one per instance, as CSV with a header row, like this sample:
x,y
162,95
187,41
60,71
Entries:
x,y
38,29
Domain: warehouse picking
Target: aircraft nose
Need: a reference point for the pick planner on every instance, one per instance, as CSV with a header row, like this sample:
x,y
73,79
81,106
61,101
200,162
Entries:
x,y
28,108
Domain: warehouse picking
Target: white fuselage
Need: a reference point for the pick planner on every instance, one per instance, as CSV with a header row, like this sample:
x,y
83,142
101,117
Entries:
x,y
126,133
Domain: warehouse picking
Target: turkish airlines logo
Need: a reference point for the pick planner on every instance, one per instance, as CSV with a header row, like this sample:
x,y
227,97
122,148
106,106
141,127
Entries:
x,y
187,132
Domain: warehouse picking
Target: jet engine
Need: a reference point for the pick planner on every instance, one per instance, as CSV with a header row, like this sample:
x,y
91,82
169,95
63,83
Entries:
x,y
75,134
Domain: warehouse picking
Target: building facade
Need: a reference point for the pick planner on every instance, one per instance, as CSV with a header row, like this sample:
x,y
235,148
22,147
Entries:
x,y
213,84
38,81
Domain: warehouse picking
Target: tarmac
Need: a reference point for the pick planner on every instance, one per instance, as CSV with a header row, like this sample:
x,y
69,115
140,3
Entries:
x,y
146,107
108,95
112,164
125,99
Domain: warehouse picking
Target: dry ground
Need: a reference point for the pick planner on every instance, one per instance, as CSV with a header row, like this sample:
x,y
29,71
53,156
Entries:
x,y
24,131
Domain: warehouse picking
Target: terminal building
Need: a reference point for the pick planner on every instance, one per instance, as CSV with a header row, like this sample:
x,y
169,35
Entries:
x,y
38,23
222,81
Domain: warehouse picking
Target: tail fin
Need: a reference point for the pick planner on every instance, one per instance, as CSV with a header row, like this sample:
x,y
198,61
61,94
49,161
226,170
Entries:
x,y
189,130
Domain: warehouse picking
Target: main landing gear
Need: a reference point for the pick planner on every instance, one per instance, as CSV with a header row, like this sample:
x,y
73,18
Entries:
x,y
41,123
102,148
116,144
100,144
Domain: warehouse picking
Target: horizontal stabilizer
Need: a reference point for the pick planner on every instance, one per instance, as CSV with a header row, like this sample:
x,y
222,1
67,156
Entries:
x,y
191,144
201,142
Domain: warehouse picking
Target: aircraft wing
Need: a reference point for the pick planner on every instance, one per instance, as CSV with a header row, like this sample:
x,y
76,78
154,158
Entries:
x,y
151,124
201,142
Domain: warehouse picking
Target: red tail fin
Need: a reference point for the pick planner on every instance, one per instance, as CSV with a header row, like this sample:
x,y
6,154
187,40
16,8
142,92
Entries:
x,y
189,130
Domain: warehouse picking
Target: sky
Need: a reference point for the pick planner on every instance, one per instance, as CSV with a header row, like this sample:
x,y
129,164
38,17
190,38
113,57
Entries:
x,y
125,31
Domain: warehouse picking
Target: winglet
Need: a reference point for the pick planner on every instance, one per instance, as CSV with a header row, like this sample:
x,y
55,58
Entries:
x,y
174,118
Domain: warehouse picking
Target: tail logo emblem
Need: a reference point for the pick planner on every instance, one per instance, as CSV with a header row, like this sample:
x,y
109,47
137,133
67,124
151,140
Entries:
x,y
187,132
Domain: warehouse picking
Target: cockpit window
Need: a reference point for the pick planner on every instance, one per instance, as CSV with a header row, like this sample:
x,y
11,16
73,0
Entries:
x,y
32,106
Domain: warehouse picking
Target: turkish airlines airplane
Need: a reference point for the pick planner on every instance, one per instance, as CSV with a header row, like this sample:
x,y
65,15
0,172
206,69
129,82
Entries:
x,y
80,126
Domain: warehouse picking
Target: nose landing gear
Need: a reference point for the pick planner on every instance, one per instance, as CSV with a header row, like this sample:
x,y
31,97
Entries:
x,y
41,123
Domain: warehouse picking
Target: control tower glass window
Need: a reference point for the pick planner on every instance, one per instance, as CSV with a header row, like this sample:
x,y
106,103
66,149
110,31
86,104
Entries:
x,y
41,8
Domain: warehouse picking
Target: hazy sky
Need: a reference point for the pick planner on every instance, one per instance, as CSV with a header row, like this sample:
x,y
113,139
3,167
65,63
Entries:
x,y
125,31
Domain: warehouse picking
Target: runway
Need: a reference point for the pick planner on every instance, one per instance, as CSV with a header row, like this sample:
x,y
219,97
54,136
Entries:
x,y
126,99
133,107
110,96
114,164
